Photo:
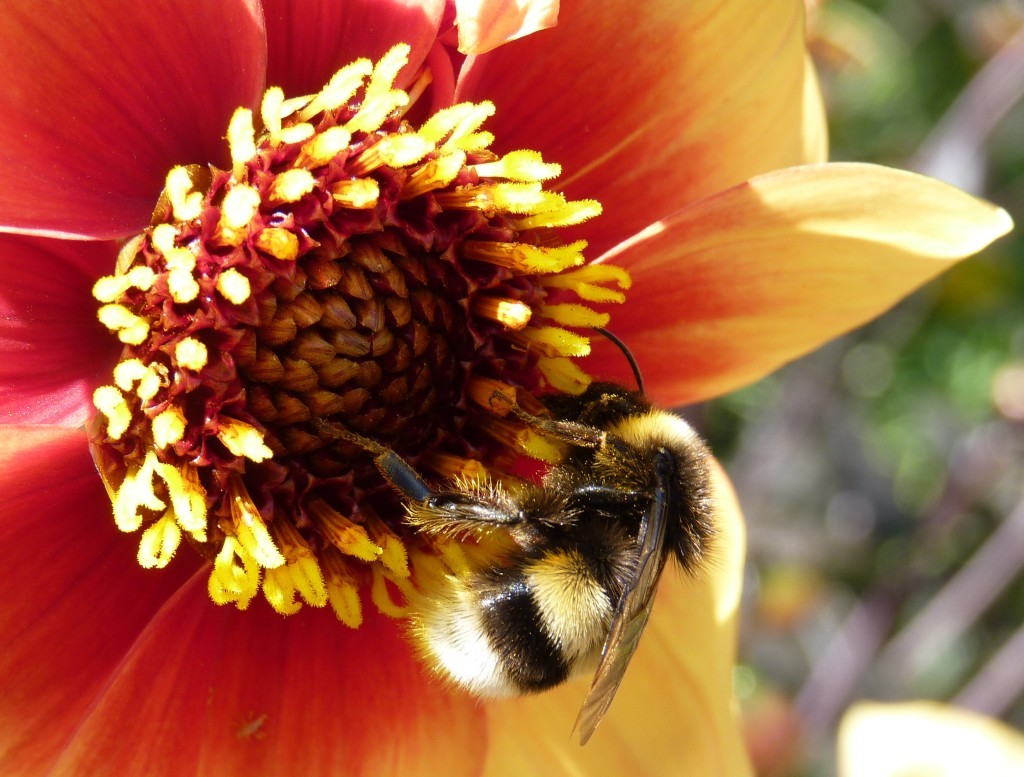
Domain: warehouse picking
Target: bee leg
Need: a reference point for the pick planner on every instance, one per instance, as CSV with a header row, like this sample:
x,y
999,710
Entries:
x,y
393,467
571,432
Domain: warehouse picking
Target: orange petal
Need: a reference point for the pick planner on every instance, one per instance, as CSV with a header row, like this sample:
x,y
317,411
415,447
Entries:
x,y
210,690
923,738
308,40
674,712
102,97
74,597
53,351
486,24
672,103
735,286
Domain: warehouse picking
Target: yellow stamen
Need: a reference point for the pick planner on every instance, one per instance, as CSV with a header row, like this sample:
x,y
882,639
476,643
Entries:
x,y
236,214
300,576
241,141
233,286
169,427
510,313
235,577
508,197
523,257
381,595
339,89
323,148
292,185
136,492
521,438
588,282
525,165
393,554
482,390
394,151
131,329
185,203
435,174
563,374
109,401
112,287
348,537
278,242
342,588
358,193
250,530
270,112
182,286
579,316
159,543
188,497
191,354
243,440
551,341
381,99
567,215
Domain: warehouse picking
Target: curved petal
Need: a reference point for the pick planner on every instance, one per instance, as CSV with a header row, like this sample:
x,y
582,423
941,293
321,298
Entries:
x,y
888,740
815,120
486,24
674,713
74,597
737,285
669,104
227,693
308,40
102,97
53,351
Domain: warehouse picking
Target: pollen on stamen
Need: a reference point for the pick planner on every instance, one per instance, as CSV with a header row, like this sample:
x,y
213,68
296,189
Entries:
x,y
191,354
243,439
168,427
185,203
510,313
292,185
357,193
279,243
233,286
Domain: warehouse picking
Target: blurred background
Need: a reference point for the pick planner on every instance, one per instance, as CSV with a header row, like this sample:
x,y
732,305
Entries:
x,y
882,476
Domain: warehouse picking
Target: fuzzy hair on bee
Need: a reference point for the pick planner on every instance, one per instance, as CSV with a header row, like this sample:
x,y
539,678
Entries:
x,y
575,588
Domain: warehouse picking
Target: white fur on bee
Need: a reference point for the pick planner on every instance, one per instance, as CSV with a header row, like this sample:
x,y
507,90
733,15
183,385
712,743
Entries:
x,y
450,634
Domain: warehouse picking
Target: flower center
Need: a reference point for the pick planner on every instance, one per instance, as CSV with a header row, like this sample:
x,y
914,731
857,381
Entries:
x,y
347,268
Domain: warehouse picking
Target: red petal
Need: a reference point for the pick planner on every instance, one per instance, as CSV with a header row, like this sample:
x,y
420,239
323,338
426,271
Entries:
x,y
649,106
101,97
309,40
53,351
733,287
74,597
486,24
222,692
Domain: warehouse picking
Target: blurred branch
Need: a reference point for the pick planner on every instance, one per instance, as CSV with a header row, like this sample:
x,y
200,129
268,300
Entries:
x,y
954,150
999,682
960,602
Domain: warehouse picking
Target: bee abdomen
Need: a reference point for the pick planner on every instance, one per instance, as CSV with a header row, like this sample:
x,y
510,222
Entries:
x,y
513,630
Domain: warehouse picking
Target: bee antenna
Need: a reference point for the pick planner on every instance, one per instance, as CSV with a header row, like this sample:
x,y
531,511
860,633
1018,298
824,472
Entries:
x,y
627,353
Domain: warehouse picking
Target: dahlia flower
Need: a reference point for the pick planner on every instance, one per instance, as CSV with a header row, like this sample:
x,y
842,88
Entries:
x,y
379,244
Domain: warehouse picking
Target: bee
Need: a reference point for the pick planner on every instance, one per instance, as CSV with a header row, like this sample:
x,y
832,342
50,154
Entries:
x,y
590,542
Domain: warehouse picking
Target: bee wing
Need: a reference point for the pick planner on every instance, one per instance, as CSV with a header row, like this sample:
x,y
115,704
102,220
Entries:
x,y
632,610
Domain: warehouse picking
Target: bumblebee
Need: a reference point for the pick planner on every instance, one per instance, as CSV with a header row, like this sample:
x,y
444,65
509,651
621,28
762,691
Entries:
x,y
575,591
